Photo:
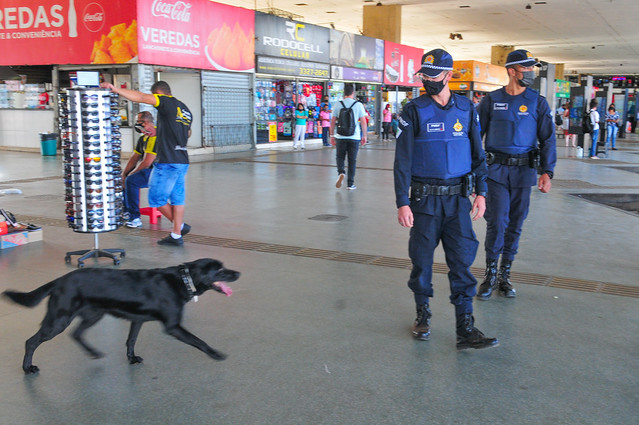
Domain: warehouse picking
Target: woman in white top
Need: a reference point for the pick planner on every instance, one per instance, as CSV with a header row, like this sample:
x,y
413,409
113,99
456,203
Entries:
x,y
594,119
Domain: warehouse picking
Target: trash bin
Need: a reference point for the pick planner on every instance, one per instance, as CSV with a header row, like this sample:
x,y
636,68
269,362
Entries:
x,y
48,143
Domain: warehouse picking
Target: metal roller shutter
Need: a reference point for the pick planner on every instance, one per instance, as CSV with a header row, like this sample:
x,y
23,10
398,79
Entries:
x,y
226,111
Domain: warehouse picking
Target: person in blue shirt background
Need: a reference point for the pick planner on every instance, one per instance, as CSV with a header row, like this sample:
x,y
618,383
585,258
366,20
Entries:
x,y
519,132
439,162
612,118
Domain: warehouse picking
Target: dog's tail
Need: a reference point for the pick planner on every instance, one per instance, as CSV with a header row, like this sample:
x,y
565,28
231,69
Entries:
x,y
30,299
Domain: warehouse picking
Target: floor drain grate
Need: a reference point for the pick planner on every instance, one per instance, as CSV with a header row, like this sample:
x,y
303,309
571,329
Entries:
x,y
328,217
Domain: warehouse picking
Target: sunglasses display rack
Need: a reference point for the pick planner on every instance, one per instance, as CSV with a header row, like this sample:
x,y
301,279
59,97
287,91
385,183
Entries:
x,y
90,132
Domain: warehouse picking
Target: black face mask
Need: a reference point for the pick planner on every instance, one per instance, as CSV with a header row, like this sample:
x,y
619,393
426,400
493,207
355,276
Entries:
x,y
434,87
139,128
528,78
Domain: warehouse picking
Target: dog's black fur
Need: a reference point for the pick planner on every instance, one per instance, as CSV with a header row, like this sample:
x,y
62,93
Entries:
x,y
135,295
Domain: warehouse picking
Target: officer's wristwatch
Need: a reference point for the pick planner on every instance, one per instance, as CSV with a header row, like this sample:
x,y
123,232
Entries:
x,y
550,174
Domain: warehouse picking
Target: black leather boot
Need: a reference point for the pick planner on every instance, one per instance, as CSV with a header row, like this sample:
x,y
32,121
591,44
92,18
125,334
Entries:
x,y
505,286
486,288
421,328
468,336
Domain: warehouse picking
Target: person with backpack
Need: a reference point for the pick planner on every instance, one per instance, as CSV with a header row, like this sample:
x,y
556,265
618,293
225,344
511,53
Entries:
x,y
520,143
593,118
439,163
348,131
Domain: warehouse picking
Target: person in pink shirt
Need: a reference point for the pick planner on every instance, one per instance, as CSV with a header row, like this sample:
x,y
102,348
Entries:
x,y
386,122
325,122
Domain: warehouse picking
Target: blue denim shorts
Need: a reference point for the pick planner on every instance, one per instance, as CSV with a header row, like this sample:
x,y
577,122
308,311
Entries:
x,y
166,184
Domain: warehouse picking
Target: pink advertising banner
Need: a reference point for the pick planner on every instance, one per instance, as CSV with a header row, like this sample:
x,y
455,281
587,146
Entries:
x,y
44,32
196,34
400,64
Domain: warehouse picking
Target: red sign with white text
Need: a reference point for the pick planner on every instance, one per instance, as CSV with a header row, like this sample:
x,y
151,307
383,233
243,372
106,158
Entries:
x,y
401,63
44,32
196,34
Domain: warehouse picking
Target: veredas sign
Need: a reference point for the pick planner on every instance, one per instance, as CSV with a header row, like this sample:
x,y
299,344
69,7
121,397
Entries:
x,y
282,38
39,32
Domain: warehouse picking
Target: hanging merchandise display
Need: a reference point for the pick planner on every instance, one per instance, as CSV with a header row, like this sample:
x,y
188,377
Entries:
x,y
89,126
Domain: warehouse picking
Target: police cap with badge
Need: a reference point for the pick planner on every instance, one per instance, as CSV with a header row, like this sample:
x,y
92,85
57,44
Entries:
x,y
434,63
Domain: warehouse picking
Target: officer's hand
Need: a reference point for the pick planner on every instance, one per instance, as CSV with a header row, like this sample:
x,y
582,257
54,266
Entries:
x,y
332,140
479,208
405,216
544,183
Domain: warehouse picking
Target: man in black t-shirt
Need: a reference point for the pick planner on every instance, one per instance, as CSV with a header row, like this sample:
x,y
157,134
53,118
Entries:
x,y
166,186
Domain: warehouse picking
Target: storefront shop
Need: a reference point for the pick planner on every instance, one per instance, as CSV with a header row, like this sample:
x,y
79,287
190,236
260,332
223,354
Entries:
x,y
400,83
291,68
203,49
474,79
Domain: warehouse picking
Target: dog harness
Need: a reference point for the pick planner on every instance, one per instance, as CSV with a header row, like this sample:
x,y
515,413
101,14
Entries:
x,y
188,282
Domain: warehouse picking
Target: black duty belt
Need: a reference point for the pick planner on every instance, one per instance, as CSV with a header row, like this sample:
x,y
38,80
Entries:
x,y
498,158
419,190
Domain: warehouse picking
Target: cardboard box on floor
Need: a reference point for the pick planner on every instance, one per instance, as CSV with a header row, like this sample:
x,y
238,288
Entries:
x,y
14,239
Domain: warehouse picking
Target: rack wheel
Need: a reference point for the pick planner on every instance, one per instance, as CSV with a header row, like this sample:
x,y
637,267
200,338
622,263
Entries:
x,y
80,264
123,254
67,259
116,262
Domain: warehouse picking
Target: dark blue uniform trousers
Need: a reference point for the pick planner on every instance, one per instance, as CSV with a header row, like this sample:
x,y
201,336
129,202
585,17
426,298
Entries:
x,y
445,218
506,210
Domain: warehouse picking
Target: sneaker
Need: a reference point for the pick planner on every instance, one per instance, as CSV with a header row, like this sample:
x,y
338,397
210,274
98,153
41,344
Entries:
x,y
170,241
126,216
594,157
302,147
185,229
136,222
340,180
351,187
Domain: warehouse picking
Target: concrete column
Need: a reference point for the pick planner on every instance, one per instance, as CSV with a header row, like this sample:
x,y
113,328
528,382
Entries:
x,y
498,54
383,22
559,71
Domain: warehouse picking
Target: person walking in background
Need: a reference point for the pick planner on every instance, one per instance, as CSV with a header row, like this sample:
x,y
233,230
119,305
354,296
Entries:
x,y
594,120
612,120
166,184
301,115
439,163
138,169
386,122
348,131
325,123
520,141
395,125
565,125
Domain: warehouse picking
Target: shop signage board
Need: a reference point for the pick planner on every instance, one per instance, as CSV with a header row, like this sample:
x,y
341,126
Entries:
x,y
44,32
196,34
282,38
479,72
355,74
294,68
400,64
356,51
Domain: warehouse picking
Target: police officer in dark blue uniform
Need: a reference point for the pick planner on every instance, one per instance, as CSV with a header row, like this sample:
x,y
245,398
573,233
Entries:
x,y
439,162
520,142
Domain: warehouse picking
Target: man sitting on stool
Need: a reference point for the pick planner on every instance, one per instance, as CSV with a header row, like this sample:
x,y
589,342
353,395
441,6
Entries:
x,y
138,169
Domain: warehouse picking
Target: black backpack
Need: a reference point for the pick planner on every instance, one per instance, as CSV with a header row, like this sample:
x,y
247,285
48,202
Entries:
x,y
586,125
558,119
346,120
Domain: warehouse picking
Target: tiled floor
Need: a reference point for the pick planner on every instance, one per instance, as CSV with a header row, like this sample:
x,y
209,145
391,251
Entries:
x,y
318,328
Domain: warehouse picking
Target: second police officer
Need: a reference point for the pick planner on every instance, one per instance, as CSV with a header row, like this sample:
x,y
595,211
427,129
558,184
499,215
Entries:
x,y
438,153
520,142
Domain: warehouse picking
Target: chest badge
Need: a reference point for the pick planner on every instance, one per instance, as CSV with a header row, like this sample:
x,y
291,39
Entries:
x,y
523,108
458,126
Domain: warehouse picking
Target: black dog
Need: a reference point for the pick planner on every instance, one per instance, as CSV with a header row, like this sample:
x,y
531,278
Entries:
x,y
135,295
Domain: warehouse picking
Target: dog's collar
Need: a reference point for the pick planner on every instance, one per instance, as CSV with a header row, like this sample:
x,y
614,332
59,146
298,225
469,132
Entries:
x,y
188,281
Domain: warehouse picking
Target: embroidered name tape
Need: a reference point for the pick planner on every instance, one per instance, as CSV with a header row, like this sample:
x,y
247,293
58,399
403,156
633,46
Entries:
x,y
435,126
500,106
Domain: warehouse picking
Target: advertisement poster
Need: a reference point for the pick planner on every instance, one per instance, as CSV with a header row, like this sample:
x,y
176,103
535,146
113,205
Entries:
x,y
196,34
279,66
401,63
356,51
281,38
355,74
44,32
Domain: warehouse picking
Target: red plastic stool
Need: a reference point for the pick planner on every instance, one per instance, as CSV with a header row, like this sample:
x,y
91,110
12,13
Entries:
x,y
153,214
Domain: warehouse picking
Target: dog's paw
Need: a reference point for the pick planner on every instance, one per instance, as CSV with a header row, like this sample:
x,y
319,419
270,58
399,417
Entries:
x,y
96,355
218,356
28,370
135,359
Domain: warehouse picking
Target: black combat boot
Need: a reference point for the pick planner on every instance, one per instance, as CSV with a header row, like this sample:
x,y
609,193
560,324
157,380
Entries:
x,y
505,286
421,329
468,336
486,288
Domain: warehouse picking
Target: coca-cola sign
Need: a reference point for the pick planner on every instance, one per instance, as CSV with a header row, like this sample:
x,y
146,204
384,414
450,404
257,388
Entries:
x,y
93,17
178,11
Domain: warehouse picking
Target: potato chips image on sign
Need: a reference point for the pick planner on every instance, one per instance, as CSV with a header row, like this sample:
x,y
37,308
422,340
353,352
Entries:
x,y
120,45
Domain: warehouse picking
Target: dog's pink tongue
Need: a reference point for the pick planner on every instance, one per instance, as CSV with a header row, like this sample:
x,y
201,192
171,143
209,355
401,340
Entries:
x,y
226,289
